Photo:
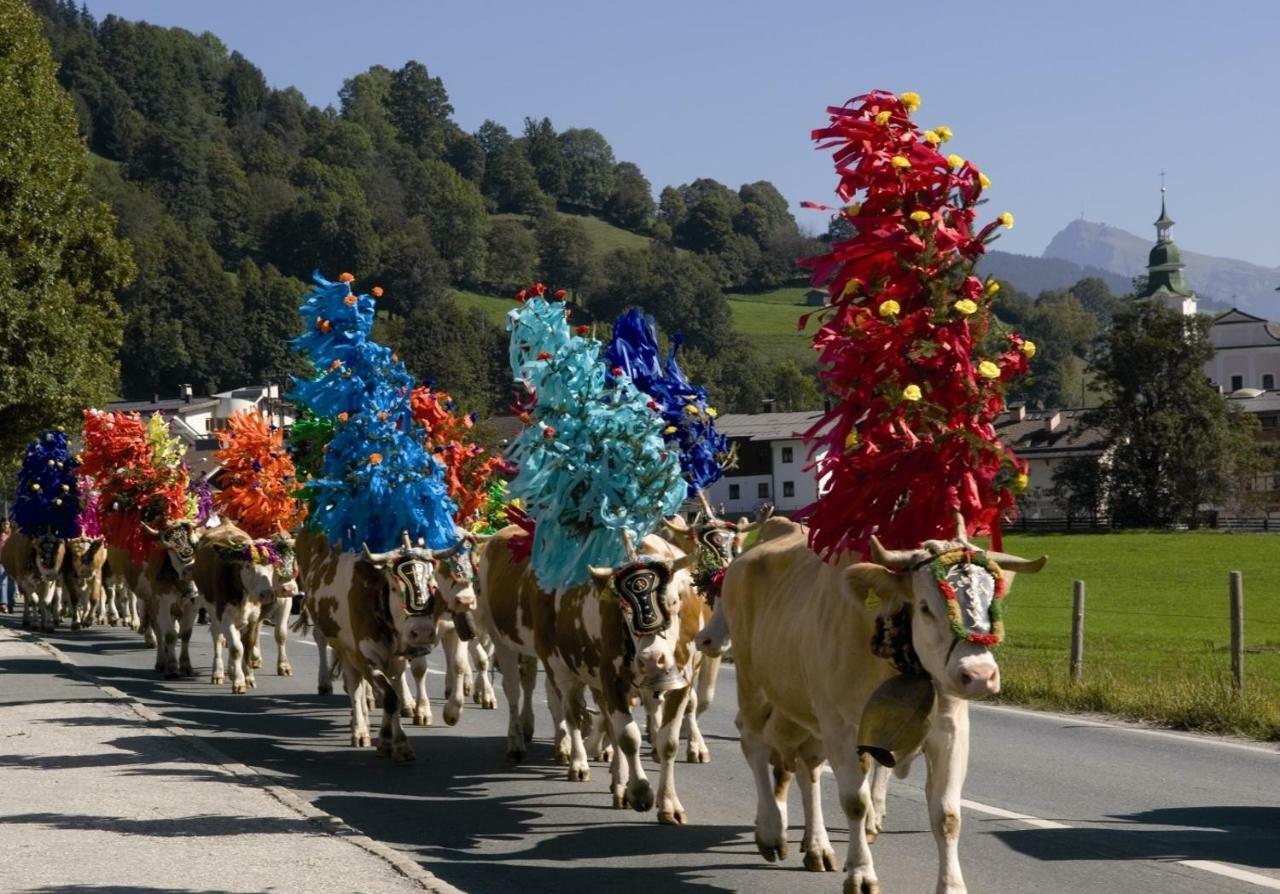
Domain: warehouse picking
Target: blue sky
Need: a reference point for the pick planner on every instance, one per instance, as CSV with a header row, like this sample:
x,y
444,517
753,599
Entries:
x,y
1067,106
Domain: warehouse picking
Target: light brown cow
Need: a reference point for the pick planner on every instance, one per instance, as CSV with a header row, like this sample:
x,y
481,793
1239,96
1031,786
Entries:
x,y
802,631
616,637
378,611
35,565
285,578
168,597
82,580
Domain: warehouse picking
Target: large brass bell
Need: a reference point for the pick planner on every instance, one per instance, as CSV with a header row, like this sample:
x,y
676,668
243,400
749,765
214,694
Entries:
x,y
896,718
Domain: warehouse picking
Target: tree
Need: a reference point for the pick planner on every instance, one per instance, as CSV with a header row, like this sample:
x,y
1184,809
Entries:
x,y
270,302
1176,447
364,101
419,108
412,272
1079,487
566,256
60,263
707,223
455,212
794,389
671,208
511,261
509,182
631,204
588,165
543,149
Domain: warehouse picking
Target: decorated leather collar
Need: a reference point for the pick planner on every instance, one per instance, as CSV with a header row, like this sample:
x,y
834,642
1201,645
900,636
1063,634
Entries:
x,y
640,586
974,590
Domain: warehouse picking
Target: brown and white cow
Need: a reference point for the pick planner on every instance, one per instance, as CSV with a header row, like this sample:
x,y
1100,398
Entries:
x,y
167,593
35,564
239,579
285,577
616,637
378,611
82,580
122,600
802,631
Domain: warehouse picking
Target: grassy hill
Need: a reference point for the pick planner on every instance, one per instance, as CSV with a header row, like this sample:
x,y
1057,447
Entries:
x,y
605,237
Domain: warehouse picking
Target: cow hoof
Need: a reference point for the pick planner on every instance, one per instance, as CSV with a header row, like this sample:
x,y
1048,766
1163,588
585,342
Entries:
x,y
239,688
406,711
284,669
360,740
579,772
149,640
255,663
325,689
673,814
113,622
515,755
773,851
421,718
488,702
820,859
252,681
217,679
640,794
384,747
620,799
402,753
452,713
187,670
466,688
698,754
605,754
861,881
526,727
172,675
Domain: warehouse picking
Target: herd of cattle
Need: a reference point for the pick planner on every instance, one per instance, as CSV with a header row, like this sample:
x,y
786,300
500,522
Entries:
x,y
650,633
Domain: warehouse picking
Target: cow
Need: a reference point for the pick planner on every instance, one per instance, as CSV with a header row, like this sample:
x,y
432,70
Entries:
x,y
615,636
238,577
35,564
378,611
167,594
803,632
82,580
286,590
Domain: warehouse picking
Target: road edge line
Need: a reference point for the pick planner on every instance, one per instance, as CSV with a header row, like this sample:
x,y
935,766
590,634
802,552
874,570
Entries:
x,y
324,821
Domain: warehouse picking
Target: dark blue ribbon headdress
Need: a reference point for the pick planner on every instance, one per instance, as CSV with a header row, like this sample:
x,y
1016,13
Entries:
x,y
48,499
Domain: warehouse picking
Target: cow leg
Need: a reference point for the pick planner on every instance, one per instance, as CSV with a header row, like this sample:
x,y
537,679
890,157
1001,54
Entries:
x,y
421,703
512,667
555,704
167,629
771,795
280,617
112,606
253,635
946,750
599,745
237,657
697,752
669,708
617,765
528,681
133,608
186,626
626,738
324,676
855,799
49,607
392,740
574,704
28,607
359,710
456,673
879,791
217,630
480,650
818,853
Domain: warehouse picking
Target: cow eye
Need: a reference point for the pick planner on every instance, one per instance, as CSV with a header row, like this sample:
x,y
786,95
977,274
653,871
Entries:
x,y
925,610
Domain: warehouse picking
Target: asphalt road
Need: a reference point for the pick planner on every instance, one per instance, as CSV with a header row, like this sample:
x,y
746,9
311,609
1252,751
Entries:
x,y
1053,803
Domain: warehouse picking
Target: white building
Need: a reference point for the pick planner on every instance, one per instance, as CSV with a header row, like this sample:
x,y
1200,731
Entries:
x,y
772,461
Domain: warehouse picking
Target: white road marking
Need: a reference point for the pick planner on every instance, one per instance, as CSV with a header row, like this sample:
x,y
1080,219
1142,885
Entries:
x,y
1034,822
1253,878
311,643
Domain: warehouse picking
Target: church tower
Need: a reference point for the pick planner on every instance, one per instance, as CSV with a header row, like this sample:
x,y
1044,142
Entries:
x,y
1164,270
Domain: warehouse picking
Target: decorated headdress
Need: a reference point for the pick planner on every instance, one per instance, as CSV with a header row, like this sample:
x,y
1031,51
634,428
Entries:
x,y
259,487
593,466
494,513
137,469
467,468
48,499
690,422
905,348
376,481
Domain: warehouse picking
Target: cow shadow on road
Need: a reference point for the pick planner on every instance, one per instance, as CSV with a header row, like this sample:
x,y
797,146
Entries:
x,y
1247,836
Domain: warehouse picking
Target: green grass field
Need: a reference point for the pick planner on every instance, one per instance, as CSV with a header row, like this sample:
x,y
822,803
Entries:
x,y
1157,629
771,326
493,307
605,237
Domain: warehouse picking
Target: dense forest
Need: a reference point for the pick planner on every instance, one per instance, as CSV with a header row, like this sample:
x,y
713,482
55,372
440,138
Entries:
x,y
232,192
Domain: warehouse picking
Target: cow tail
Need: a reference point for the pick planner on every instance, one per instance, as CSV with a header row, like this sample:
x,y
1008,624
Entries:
x,y
303,624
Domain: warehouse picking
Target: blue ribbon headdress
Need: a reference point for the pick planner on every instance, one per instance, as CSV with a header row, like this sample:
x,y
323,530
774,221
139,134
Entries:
x,y
376,480
592,464
48,499
689,421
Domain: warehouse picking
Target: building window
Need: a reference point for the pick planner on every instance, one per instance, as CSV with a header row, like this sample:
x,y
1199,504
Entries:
x,y
735,492
1237,382
788,488
762,490
1269,382
1268,422
786,455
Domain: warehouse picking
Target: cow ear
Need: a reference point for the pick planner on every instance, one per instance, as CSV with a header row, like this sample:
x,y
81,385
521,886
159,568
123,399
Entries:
x,y
685,562
874,585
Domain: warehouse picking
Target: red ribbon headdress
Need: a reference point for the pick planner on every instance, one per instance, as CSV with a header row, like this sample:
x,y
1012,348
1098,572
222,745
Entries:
x,y
259,486
906,346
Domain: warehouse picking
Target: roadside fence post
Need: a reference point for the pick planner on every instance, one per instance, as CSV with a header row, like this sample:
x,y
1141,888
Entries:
x,y
1077,631
1237,631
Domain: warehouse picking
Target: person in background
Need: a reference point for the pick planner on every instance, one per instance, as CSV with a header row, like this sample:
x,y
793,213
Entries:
x,y
8,586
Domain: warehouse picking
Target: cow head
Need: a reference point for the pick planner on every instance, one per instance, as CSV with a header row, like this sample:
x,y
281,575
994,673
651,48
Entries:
x,y
940,608
81,553
456,576
414,601
179,539
49,551
286,564
649,590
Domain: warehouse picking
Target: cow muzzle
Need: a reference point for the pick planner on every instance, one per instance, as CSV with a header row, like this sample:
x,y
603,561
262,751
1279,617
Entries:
x,y
977,677
657,671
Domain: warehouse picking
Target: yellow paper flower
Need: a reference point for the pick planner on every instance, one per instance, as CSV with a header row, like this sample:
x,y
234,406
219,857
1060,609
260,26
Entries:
x,y
911,100
900,161
988,370
851,440
1020,482
853,209
984,180
966,306
911,392
1029,349
851,286
1007,220
943,132
691,409
670,430
955,161
883,117
711,411
920,216
889,308
932,137
992,287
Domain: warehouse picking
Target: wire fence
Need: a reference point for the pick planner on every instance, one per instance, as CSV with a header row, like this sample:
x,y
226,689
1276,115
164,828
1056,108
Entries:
x,y
1257,524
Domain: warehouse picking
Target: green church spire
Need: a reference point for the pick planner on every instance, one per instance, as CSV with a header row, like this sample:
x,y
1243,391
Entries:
x,y
1164,268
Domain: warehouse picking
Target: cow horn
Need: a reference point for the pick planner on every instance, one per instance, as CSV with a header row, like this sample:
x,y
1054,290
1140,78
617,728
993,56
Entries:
x,y
1014,563
366,555
890,558
447,553
600,573
670,525
150,530
406,540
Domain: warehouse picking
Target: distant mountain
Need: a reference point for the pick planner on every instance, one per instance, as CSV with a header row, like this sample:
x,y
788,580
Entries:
x,y
1035,275
1221,281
